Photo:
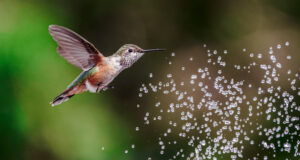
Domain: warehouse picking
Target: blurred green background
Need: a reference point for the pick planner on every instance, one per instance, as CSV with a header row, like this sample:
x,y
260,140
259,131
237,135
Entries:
x,y
32,73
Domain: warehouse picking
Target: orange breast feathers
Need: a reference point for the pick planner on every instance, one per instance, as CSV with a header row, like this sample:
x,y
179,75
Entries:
x,y
103,74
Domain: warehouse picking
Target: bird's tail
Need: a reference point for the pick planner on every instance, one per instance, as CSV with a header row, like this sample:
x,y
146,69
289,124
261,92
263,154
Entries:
x,y
74,88
64,96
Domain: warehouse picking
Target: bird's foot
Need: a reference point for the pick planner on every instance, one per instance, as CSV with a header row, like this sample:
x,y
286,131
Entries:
x,y
108,87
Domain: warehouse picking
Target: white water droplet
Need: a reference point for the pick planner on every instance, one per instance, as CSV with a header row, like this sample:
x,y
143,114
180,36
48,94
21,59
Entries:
x,y
150,75
259,55
278,46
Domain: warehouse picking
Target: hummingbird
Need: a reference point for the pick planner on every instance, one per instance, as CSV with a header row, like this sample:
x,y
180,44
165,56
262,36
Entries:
x,y
98,71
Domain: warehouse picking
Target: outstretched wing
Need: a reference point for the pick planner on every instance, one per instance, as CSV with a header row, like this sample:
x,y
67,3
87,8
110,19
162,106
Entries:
x,y
74,48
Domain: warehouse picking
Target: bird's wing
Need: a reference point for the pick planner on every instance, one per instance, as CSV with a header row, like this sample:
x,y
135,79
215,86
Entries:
x,y
74,48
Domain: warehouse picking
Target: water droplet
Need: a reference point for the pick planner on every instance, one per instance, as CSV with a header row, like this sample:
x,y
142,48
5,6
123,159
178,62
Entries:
x,y
259,55
287,43
194,76
278,65
150,75
278,46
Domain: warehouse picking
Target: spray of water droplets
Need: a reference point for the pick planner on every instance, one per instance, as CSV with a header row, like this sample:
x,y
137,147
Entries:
x,y
214,115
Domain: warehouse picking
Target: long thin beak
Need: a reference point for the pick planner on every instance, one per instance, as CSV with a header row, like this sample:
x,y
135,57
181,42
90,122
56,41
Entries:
x,y
151,50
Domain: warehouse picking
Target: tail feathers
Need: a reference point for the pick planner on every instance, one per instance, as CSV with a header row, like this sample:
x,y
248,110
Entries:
x,y
62,97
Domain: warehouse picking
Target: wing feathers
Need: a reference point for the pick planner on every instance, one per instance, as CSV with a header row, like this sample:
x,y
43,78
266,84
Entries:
x,y
74,48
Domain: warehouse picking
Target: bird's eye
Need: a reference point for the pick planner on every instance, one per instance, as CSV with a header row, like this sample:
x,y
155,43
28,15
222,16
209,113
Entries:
x,y
130,50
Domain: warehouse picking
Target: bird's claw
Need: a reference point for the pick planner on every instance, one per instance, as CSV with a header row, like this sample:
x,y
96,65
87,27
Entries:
x,y
108,87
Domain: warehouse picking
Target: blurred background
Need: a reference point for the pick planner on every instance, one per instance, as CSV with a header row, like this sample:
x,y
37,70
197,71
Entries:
x,y
32,73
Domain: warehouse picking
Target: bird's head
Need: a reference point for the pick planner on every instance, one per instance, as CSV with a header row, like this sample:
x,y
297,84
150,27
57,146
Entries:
x,y
130,53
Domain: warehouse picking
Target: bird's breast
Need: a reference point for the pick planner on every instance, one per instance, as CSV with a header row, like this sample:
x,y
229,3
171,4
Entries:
x,y
103,75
